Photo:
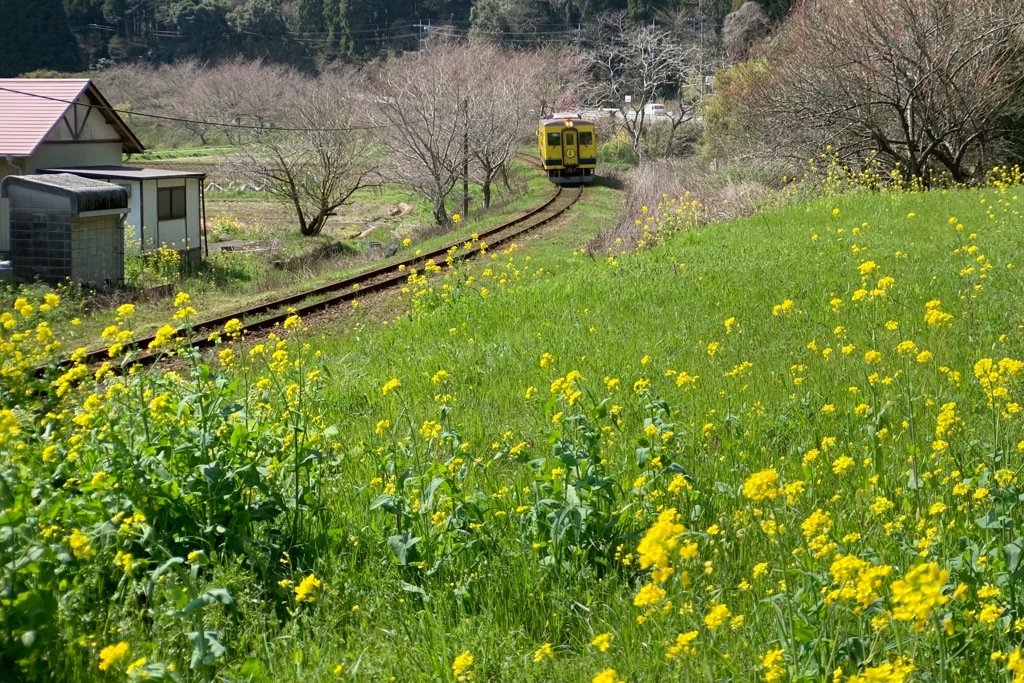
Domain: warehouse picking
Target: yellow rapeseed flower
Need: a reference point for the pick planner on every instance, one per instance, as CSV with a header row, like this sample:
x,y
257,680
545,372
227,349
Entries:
x,y
602,641
772,662
461,667
137,664
544,652
649,594
918,592
716,616
162,337
305,591
112,654
896,672
763,485
606,676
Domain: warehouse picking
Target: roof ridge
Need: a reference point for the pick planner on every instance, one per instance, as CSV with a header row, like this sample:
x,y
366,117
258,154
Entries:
x,y
30,109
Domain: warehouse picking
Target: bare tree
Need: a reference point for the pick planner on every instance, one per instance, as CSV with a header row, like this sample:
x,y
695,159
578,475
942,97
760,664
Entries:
x,y
319,153
559,78
639,62
240,93
499,111
420,103
185,98
923,85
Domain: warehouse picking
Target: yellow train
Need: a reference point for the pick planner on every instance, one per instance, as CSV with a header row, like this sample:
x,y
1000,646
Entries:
x,y
568,148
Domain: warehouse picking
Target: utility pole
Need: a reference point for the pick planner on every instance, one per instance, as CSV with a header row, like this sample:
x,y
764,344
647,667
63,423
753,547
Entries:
x,y
465,156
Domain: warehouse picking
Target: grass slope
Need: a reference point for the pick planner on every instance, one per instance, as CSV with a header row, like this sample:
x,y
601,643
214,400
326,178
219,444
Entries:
x,y
785,448
812,408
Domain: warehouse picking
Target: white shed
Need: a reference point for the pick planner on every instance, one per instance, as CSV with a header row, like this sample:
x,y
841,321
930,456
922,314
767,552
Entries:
x,y
165,208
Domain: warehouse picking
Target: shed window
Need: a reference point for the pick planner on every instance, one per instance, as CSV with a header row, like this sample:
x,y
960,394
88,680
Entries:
x,y
554,139
170,203
586,138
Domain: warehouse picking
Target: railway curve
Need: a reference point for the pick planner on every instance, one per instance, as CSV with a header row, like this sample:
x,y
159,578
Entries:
x,y
267,315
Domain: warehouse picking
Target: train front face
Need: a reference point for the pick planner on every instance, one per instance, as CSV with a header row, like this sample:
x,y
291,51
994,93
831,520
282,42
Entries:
x,y
568,148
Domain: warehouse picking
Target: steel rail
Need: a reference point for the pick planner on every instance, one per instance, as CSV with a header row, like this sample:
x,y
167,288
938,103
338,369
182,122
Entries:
x,y
355,286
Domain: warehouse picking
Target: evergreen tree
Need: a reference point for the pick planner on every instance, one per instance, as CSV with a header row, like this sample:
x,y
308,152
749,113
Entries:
x,y
81,12
36,35
311,16
641,11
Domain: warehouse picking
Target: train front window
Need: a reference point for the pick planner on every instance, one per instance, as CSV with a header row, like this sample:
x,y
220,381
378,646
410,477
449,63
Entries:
x,y
570,139
586,138
554,139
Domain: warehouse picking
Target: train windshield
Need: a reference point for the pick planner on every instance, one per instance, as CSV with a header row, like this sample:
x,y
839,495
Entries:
x,y
586,138
554,139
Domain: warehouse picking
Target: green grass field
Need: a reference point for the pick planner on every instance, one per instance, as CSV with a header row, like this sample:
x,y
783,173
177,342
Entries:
x,y
785,448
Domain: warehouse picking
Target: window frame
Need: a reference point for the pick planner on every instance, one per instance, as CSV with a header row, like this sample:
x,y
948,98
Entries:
x,y
556,136
590,138
171,203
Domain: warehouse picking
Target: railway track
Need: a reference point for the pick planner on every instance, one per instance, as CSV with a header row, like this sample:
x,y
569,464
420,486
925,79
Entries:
x,y
266,315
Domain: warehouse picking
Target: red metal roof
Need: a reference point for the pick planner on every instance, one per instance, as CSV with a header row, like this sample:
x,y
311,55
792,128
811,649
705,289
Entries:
x,y
31,107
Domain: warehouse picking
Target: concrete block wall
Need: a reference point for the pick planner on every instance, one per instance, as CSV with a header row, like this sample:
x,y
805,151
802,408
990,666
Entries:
x,y
41,244
56,245
97,250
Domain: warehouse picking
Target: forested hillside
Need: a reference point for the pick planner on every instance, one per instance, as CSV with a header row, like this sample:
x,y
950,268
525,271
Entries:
x,y
304,33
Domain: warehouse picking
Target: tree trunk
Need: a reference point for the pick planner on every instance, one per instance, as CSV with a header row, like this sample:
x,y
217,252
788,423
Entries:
x,y
316,225
486,192
440,214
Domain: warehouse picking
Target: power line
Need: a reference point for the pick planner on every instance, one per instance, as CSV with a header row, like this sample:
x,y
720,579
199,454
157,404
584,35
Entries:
x,y
177,119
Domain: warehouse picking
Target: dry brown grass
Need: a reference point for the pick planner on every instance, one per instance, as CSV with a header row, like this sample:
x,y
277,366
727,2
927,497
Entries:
x,y
724,195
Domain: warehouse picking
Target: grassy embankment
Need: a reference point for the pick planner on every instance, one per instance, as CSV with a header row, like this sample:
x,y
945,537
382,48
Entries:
x,y
856,391
230,281
780,448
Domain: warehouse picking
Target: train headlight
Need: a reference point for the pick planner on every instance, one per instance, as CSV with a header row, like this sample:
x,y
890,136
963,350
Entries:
x,y
568,124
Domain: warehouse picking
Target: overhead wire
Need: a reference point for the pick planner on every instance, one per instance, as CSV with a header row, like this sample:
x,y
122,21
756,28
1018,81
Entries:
x,y
178,119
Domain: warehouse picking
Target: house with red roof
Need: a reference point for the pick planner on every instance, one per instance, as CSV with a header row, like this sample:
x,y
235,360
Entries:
x,y
65,125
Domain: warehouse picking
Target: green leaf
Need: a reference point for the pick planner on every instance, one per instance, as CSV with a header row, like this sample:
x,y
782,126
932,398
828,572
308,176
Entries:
x,y
802,632
413,588
158,572
389,502
1011,552
252,668
427,499
403,546
206,648
989,521
211,472
209,597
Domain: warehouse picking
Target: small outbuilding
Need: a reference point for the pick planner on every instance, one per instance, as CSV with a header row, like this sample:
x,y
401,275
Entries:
x,y
65,227
165,208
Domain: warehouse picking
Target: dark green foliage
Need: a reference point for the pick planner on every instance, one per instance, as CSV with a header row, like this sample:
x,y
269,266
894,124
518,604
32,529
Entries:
x,y
644,10
36,35
203,23
304,33
262,30
311,16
